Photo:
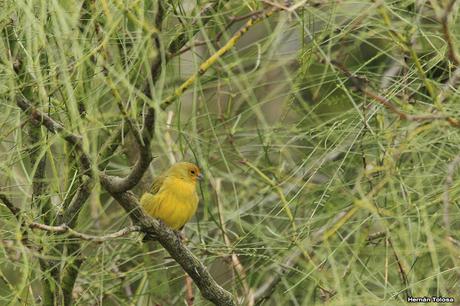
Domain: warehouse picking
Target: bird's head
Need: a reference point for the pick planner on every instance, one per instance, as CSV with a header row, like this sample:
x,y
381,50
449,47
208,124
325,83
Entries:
x,y
186,171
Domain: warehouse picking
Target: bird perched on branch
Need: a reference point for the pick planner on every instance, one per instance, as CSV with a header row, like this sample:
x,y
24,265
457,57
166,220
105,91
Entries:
x,y
173,198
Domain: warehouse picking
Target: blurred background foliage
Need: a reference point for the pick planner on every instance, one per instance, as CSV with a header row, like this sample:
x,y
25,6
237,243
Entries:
x,y
322,194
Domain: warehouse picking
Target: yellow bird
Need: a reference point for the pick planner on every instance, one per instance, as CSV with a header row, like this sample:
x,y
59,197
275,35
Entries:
x,y
173,198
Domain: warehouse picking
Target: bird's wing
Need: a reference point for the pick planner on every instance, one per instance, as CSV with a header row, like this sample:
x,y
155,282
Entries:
x,y
156,185
149,199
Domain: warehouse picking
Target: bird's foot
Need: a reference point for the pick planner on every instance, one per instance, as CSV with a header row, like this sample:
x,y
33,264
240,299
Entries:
x,y
180,235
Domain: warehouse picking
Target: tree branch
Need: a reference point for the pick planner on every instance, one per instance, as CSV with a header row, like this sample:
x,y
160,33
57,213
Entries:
x,y
452,53
145,157
64,228
118,187
451,49
449,85
360,86
70,213
217,55
236,263
264,292
13,209
38,162
204,17
85,162
218,36
143,141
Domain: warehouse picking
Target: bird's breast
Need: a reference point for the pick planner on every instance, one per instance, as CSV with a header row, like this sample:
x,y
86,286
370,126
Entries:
x,y
180,189
181,193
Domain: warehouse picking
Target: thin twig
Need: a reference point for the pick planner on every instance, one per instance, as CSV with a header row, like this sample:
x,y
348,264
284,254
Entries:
x,y
360,86
122,276
268,287
294,7
447,185
236,19
264,292
134,131
143,161
189,47
70,214
202,19
65,229
402,272
376,236
216,56
168,139
111,145
236,263
451,49
39,163
453,241
451,83
276,5
280,192
219,35
57,128
16,212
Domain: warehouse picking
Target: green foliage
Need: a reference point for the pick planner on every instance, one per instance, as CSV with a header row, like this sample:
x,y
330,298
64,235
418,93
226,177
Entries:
x,y
278,125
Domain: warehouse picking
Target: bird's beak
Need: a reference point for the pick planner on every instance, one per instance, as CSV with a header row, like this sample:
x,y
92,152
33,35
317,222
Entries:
x,y
200,176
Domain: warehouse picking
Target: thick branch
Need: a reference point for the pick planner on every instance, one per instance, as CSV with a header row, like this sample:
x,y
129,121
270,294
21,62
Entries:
x,y
154,229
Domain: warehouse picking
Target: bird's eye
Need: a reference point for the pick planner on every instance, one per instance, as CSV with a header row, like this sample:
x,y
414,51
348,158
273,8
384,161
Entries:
x,y
192,171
